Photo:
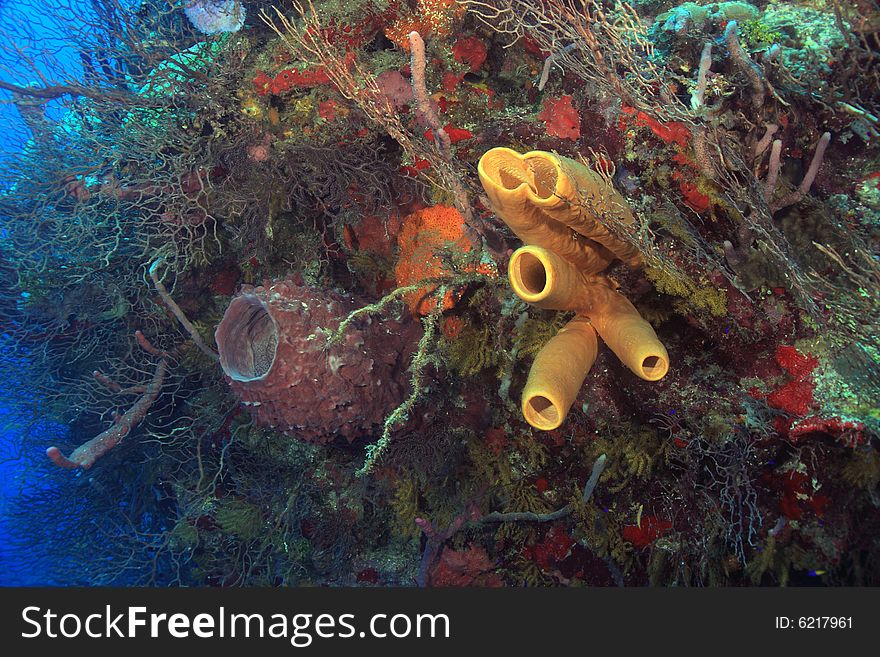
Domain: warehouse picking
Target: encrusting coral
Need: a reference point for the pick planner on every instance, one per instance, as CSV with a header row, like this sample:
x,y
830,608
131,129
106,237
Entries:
x,y
556,206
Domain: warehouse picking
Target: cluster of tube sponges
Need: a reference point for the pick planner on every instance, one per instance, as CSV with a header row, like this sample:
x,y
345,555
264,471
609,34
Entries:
x,y
556,206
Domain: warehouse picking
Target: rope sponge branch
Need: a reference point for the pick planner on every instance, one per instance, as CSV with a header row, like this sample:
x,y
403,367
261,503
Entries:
x,y
178,313
90,451
418,67
809,176
529,516
472,518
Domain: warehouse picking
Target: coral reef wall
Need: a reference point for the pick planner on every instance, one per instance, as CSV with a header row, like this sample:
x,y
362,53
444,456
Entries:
x,y
249,263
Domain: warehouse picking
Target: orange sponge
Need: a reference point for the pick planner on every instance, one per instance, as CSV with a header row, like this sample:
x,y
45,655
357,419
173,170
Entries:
x,y
423,235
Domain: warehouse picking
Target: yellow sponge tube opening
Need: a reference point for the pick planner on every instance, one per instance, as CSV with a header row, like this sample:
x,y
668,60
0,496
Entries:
x,y
631,338
540,277
558,373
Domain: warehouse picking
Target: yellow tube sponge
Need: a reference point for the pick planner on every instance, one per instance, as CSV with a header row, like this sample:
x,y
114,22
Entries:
x,y
558,373
556,206
545,280
629,336
542,278
543,197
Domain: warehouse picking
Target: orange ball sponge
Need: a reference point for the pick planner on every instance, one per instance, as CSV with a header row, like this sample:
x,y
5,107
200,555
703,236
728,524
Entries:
x,y
423,235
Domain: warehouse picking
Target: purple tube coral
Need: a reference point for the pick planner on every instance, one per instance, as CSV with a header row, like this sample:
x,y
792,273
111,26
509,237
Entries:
x,y
272,343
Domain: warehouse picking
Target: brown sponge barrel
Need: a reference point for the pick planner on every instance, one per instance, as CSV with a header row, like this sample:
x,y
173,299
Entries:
x,y
273,348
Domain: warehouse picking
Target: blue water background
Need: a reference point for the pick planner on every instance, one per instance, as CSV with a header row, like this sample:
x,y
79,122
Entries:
x,y
32,551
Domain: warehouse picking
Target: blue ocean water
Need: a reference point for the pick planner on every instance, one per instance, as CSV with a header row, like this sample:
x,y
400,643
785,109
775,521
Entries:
x,y
27,551
25,17
25,555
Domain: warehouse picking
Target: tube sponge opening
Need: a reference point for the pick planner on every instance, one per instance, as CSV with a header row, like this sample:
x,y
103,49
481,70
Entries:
x,y
528,274
509,170
541,412
631,338
558,373
546,174
506,169
654,368
542,278
247,339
